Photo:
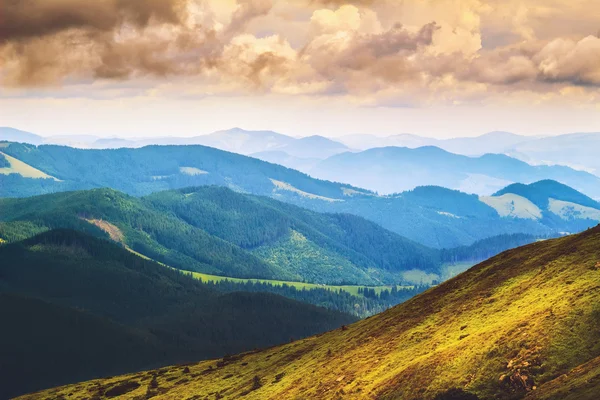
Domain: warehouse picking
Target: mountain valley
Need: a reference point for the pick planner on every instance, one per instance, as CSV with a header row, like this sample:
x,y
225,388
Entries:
x,y
519,325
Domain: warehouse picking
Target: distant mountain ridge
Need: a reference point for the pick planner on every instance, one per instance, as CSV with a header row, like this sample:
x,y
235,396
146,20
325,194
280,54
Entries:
x,y
17,135
575,150
396,169
235,140
445,218
491,142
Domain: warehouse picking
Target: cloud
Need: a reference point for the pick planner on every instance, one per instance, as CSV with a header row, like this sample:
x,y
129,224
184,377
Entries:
x,y
48,41
374,51
575,62
22,19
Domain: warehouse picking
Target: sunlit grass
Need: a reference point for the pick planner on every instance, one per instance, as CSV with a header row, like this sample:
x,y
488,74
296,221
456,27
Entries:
x,y
25,170
353,290
518,321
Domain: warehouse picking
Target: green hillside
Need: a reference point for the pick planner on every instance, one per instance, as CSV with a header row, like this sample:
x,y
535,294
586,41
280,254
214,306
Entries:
x,y
523,324
132,222
217,231
540,192
4,162
79,307
292,236
155,168
437,217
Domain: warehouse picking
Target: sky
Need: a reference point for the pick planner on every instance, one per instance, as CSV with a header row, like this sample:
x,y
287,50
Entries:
x,y
440,68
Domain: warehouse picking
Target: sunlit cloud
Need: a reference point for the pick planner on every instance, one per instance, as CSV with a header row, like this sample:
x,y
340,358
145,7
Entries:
x,y
413,53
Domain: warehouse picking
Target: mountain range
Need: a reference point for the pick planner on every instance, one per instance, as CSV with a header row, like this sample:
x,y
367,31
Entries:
x,y
235,140
492,142
524,324
395,169
444,218
432,216
136,258
575,150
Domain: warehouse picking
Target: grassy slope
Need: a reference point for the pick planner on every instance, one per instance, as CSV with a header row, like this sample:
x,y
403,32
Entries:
x,y
352,289
540,192
581,383
511,323
19,167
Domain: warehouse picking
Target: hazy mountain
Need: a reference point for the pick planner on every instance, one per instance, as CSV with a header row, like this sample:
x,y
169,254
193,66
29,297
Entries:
x,y
79,307
303,154
492,142
245,142
314,147
80,141
112,143
16,135
578,150
235,140
524,324
395,169
366,141
283,158
575,150
241,141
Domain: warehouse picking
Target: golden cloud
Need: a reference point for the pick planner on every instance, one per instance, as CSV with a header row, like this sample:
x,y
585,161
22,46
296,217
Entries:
x,y
444,48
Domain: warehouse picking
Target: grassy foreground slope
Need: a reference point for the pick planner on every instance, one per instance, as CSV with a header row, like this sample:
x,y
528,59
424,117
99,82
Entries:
x,y
507,328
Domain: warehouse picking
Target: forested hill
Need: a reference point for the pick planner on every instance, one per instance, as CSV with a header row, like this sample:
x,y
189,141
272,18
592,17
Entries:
x,y
260,223
74,307
155,168
540,193
524,324
217,231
